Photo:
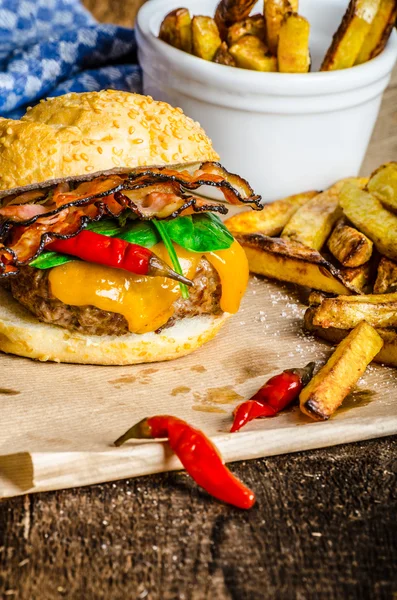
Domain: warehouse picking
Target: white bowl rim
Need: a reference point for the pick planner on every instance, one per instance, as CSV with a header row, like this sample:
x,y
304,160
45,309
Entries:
x,y
300,84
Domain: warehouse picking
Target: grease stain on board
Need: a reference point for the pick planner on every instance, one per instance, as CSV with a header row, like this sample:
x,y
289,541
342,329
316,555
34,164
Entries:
x,y
214,396
357,399
9,392
218,395
209,409
182,389
142,377
123,380
259,364
198,368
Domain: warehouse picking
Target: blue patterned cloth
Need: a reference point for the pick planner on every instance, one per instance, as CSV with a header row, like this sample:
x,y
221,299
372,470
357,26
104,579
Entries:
x,y
51,47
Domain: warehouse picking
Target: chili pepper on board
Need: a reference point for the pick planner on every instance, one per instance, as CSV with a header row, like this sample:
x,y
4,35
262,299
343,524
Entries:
x,y
114,252
198,455
274,396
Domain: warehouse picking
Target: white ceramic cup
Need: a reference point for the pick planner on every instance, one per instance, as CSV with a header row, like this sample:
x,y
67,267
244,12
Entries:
x,y
285,133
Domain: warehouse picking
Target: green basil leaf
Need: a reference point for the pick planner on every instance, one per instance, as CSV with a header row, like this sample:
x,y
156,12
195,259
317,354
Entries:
x,y
142,233
108,227
200,233
160,226
48,260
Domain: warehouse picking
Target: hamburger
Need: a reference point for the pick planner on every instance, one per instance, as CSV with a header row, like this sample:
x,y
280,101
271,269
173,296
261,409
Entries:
x,y
110,251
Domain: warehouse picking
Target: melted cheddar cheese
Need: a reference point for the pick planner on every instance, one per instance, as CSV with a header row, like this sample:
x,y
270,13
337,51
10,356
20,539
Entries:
x,y
146,302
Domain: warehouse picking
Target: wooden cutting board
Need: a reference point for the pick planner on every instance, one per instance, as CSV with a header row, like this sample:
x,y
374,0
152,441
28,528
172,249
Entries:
x,y
59,421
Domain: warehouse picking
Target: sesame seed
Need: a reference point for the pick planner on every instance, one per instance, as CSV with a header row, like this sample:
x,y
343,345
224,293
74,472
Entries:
x,y
67,159
117,152
89,168
116,124
75,143
131,130
100,150
137,141
76,157
164,157
86,142
132,114
84,156
52,151
115,161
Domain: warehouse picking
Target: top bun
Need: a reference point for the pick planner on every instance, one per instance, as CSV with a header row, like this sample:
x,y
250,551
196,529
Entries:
x,y
79,134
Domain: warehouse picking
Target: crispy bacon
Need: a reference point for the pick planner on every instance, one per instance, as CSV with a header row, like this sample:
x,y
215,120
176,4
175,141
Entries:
x,y
64,209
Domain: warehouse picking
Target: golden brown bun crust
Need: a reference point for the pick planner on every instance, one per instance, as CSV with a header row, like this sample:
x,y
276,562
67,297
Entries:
x,y
79,134
22,334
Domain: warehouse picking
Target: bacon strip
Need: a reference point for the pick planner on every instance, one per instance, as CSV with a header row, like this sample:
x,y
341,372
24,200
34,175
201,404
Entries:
x,y
63,210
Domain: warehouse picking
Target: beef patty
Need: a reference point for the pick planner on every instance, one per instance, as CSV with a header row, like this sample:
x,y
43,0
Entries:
x,y
31,288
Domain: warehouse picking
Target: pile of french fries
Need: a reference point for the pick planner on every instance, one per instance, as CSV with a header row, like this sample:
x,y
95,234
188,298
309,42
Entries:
x,y
278,39
341,243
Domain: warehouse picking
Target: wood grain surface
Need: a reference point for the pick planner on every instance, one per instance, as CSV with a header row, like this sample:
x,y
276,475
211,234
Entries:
x,y
324,527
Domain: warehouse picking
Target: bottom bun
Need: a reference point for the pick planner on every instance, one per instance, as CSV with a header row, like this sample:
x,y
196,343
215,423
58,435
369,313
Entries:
x,y
22,334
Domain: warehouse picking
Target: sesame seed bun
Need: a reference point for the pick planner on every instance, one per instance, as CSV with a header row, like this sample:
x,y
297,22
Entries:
x,y
22,334
82,134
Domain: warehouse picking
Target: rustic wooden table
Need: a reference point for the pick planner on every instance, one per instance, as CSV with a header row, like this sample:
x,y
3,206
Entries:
x,y
324,525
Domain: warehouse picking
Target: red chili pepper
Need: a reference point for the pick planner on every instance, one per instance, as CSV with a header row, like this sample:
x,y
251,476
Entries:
x,y
274,396
198,455
117,253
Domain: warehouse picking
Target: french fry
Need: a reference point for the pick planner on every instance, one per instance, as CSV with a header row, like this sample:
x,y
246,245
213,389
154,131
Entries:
x,y
251,53
205,37
312,223
316,298
386,356
349,246
330,386
358,278
176,29
223,56
272,219
286,260
231,11
345,312
293,53
254,25
381,28
386,279
349,38
383,185
274,11
368,215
